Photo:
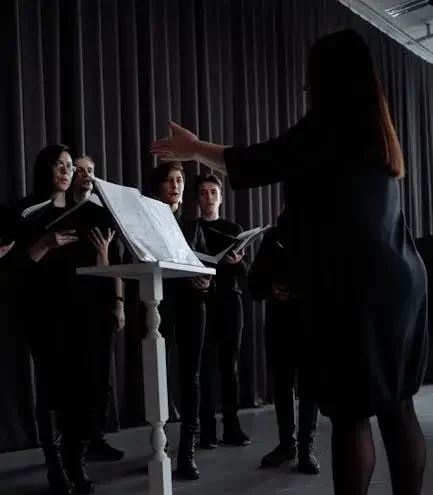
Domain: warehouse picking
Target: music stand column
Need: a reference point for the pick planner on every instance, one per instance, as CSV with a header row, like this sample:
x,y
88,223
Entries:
x,y
155,383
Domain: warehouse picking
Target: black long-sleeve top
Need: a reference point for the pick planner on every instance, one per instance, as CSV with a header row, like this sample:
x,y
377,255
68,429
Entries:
x,y
54,277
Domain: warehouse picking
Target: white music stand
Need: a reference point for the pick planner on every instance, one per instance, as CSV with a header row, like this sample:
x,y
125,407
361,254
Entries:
x,y
150,276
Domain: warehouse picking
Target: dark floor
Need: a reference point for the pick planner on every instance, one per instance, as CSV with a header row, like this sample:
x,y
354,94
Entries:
x,y
225,471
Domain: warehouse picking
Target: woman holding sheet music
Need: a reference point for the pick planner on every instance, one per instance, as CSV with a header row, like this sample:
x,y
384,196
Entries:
x,y
357,271
55,319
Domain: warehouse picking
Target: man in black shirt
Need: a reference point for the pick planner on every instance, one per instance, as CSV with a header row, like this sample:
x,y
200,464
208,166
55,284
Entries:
x,y
224,319
287,355
108,315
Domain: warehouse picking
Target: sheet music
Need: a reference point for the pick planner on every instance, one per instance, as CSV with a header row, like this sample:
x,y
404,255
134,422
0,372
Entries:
x,y
33,209
250,236
148,225
92,198
38,208
240,242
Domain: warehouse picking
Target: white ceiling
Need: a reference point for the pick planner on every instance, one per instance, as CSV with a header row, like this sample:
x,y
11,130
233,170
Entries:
x,y
408,29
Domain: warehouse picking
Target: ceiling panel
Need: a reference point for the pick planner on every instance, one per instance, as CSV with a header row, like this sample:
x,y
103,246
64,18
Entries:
x,y
414,29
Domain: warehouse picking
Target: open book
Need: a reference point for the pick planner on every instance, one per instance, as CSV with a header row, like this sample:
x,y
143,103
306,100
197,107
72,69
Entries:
x,y
147,226
34,211
235,244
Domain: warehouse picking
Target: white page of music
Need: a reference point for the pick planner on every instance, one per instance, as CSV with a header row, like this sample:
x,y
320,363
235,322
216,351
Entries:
x,y
148,224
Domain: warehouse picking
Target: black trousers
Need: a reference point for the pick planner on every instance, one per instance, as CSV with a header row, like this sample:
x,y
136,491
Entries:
x,y
97,352
71,355
288,362
224,324
49,348
183,315
62,388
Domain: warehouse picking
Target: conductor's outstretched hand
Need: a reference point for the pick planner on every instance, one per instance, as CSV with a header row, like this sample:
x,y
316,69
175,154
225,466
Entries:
x,y
181,145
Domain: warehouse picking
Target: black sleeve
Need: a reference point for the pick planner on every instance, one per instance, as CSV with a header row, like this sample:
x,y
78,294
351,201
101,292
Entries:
x,y
269,162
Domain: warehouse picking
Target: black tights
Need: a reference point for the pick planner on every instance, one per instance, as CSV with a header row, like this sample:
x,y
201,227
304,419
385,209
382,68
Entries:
x,y
353,453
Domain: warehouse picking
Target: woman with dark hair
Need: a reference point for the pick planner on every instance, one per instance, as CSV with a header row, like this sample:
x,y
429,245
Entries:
x,y
49,258
352,259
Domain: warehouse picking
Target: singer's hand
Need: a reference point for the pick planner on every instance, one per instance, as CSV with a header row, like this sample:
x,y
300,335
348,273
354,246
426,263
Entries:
x,y
119,316
51,240
4,250
101,244
232,258
280,293
201,283
58,239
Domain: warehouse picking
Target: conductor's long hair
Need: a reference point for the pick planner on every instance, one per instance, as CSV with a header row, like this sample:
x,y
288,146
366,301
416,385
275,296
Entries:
x,y
345,91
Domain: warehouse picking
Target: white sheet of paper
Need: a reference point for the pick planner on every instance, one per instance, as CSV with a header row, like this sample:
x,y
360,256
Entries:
x,y
247,238
147,224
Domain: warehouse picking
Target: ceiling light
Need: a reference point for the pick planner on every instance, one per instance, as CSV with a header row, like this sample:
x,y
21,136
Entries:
x,y
408,7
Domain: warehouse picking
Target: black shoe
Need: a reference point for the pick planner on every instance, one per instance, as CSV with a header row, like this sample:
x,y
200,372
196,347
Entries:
x,y
103,451
279,455
233,434
186,467
74,455
58,480
206,439
236,437
206,443
307,462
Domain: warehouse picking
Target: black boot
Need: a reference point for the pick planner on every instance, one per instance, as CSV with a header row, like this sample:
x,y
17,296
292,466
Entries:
x,y
308,419
186,467
307,461
233,434
51,439
74,455
282,453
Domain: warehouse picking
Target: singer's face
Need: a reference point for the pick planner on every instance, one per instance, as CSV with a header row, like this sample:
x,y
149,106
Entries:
x,y
62,172
171,190
84,173
210,198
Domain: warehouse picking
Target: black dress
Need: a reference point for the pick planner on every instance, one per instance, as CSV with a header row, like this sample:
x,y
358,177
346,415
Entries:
x,y
354,263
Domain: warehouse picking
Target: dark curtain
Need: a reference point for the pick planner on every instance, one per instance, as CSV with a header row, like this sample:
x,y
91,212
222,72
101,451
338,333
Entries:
x,y
104,76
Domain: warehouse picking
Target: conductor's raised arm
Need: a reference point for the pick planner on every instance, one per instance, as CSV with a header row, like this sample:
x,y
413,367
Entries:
x,y
246,166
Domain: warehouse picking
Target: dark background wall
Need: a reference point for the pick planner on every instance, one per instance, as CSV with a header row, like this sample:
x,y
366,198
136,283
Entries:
x,y
104,76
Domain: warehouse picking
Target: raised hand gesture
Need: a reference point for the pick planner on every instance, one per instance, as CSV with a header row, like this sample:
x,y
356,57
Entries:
x,y
181,145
